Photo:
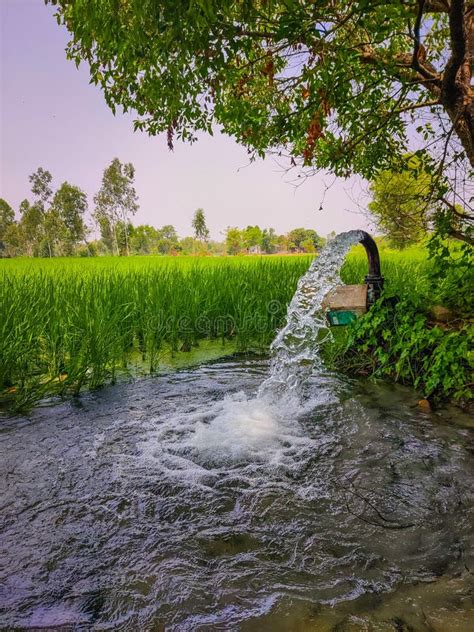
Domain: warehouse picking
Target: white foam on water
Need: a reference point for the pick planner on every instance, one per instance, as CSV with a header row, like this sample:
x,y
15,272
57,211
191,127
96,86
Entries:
x,y
252,438
248,429
196,444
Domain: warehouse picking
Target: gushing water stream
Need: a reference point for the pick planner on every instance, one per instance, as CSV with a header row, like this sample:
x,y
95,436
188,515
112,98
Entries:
x,y
296,346
241,495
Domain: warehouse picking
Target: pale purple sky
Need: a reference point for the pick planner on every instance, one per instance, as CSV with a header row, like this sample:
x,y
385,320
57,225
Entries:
x,y
51,117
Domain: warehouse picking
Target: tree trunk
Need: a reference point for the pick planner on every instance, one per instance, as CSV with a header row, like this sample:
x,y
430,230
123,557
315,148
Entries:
x,y
457,94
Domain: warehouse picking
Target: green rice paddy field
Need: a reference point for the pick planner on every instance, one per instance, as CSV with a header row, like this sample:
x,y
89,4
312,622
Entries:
x,y
67,324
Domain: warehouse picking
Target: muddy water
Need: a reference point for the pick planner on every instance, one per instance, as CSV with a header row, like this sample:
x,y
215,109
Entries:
x,y
184,503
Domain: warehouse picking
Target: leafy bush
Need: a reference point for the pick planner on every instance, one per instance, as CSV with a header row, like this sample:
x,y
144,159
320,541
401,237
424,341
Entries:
x,y
452,273
396,340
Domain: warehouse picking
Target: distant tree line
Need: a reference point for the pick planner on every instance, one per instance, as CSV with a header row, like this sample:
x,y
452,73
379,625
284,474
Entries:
x,y
52,224
55,223
254,240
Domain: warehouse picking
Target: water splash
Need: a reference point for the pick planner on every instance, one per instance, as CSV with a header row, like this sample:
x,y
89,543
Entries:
x,y
257,428
296,346
249,429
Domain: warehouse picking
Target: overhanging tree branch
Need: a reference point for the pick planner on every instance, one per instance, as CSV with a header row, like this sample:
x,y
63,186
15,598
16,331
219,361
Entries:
x,y
418,50
310,77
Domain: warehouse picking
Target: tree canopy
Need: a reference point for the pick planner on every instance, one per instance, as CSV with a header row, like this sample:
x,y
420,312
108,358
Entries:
x,y
346,85
71,204
52,225
115,202
199,225
304,240
7,217
399,205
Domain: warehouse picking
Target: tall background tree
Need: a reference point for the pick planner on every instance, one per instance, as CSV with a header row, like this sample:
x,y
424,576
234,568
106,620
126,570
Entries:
x,y
199,225
350,86
115,203
40,229
252,238
144,240
234,240
167,240
7,218
269,241
70,205
31,220
304,240
50,226
41,186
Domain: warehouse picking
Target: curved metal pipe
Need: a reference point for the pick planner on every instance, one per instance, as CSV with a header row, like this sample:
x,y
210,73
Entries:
x,y
374,279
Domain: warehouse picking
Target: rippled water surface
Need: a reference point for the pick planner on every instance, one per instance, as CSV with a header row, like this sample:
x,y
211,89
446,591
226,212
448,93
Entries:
x,y
184,503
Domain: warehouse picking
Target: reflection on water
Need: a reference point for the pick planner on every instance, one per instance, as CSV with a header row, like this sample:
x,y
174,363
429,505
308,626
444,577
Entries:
x,y
183,503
